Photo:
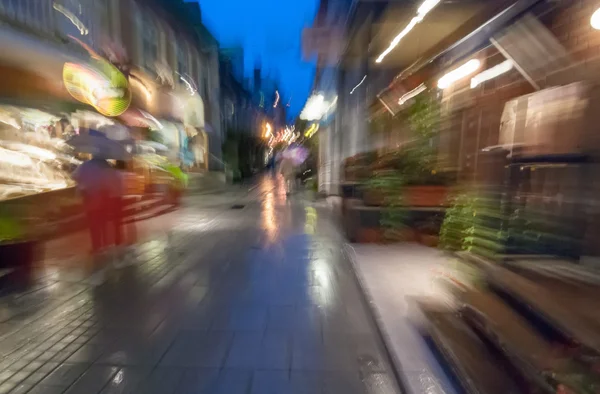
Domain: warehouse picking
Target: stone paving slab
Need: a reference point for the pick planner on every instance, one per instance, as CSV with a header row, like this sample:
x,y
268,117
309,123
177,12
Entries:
x,y
252,300
390,275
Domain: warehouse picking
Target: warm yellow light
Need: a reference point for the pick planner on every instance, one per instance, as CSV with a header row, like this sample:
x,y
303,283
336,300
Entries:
x,y
423,10
311,130
595,20
268,130
455,75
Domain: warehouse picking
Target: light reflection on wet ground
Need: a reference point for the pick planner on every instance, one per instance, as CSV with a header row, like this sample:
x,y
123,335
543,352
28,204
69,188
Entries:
x,y
253,300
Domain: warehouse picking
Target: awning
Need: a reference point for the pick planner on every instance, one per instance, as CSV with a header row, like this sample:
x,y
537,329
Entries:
x,y
44,58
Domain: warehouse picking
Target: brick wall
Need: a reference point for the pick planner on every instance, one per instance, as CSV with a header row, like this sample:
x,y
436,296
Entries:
x,y
471,117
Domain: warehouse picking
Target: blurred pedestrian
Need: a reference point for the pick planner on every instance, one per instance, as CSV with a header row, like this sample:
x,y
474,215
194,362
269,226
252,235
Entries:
x,y
287,168
124,235
94,178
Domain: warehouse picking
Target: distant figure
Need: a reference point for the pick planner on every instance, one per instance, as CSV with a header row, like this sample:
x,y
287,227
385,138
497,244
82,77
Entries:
x,y
287,168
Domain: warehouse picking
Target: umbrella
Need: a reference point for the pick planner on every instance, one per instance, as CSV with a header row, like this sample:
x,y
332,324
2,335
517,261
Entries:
x,y
99,145
115,132
297,154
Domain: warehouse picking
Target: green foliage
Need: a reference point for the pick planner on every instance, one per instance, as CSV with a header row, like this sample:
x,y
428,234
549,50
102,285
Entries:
x,y
424,116
459,223
312,184
474,223
177,173
390,184
10,227
423,119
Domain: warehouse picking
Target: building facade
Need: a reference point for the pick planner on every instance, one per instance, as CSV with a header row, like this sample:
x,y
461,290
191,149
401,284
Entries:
x,y
167,55
515,86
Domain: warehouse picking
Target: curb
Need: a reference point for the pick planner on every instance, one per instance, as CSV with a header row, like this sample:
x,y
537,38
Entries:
x,y
385,338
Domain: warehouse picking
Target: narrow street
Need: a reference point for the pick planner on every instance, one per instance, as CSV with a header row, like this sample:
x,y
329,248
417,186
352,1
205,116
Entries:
x,y
246,292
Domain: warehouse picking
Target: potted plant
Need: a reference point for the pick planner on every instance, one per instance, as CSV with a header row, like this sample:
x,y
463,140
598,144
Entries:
x,y
357,167
427,188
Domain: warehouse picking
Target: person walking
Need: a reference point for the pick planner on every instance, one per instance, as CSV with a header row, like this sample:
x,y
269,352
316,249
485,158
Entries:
x,y
94,184
101,189
287,168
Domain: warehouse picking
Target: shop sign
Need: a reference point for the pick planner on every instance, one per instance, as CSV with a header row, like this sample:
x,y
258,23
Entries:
x,y
99,84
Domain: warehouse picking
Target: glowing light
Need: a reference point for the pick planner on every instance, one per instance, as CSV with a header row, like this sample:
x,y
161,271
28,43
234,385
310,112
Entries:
x,y
268,130
311,130
413,93
189,85
276,99
423,10
491,73
104,87
358,84
595,20
15,158
468,68
74,20
315,108
34,151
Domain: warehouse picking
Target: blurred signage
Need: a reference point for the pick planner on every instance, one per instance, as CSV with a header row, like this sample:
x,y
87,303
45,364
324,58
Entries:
x,y
323,42
99,84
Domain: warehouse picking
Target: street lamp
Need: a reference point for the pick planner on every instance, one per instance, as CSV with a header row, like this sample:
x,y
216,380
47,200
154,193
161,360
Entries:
x,y
595,20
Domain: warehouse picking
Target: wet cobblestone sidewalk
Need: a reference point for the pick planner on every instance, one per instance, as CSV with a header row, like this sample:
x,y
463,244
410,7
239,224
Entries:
x,y
258,299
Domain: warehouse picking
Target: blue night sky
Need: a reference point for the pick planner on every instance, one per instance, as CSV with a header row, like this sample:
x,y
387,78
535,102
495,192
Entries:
x,y
269,30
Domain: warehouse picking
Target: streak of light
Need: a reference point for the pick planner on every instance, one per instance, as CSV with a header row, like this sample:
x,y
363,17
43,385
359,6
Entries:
x,y
358,84
459,73
268,130
145,88
276,99
311,130
74,20
413,93
34,151
189,85
423,10
15,158
491,73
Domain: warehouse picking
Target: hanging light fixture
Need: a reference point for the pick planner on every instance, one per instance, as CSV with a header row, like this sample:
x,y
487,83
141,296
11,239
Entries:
x,y
491,73
455,75
595,20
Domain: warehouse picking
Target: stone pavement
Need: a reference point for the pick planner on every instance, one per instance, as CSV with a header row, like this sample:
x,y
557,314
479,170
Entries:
x,y
391,275
247,293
